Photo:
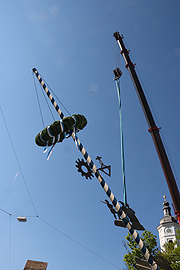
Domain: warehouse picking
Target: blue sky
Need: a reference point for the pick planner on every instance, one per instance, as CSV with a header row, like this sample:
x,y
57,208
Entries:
x,y
71,44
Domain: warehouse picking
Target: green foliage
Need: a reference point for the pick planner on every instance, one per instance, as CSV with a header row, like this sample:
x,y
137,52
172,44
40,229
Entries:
x,y
171,252
150,242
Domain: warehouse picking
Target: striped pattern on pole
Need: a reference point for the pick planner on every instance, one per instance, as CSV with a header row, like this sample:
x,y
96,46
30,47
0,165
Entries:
x,y
107,190
121,213
48,93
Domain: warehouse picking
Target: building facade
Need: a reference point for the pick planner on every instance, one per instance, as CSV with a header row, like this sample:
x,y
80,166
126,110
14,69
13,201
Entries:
x,y
168,226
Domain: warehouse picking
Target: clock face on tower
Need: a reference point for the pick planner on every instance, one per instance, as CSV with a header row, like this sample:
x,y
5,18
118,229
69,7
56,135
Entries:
x,y
168,230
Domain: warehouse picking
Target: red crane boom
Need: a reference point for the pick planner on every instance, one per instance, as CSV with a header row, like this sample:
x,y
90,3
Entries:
x,y
153,129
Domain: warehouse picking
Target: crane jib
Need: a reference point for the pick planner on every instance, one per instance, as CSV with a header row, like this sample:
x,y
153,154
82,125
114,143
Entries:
x,y
170,179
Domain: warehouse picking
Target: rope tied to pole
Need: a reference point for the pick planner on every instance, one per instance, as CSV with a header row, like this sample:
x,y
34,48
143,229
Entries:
x,y
117,72
122,144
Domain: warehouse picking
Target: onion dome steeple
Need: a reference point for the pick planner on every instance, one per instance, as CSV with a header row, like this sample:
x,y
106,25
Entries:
x,y
168,226
167,213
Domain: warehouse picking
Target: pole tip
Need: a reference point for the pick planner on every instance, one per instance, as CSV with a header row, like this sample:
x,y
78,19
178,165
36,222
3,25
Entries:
x,y
117,35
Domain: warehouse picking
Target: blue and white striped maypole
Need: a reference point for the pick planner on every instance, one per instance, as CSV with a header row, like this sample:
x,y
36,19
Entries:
x,y
102,182
48,93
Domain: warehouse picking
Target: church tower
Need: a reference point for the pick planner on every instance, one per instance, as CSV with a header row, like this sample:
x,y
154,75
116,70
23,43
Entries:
x,y
168,226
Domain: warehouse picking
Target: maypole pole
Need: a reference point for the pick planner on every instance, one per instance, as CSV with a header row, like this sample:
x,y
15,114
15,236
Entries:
x,y
153,129
102,182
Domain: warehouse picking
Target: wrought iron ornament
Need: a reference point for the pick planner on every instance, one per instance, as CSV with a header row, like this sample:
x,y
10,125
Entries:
x,y
103,167
89,173
135,223
80,164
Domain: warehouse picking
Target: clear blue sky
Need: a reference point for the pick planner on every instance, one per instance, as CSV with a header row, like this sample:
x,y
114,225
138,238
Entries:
x,y
71,44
